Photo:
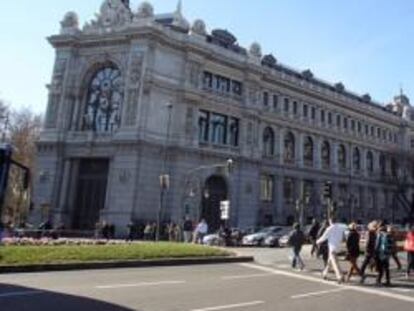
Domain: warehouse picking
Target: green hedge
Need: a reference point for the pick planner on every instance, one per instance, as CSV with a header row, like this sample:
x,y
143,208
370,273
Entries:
x,y
24,255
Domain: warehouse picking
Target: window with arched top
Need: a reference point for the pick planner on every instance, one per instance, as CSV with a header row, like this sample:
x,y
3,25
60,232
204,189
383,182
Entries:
x,y
370,162
356,159
268,142
341,157
289,148
326,155
104,101
308,151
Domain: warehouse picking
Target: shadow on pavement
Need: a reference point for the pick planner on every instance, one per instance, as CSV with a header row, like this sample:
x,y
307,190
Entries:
x,y
18,298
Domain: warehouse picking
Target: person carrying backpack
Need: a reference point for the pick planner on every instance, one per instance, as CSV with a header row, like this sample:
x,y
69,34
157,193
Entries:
x,y
383,251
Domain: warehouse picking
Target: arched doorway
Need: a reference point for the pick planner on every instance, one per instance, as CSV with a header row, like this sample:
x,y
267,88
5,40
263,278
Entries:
x,y
215,191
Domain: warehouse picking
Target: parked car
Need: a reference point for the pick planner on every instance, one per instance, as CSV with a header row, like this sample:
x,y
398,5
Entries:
x,y
273,239
258,238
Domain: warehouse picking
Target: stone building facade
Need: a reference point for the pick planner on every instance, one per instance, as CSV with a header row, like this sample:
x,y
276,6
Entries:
x,y
135,95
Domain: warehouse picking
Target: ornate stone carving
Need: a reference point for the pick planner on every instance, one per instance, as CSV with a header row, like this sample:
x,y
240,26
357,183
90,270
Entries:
x,y
69,24
255,50
58,74
193,74
199,28
145,10
113,15
135,70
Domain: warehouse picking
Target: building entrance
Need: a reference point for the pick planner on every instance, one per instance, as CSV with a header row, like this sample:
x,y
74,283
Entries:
x,y
90,193
215,191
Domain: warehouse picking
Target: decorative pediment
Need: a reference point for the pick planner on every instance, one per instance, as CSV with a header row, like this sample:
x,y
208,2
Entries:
x,y
113,15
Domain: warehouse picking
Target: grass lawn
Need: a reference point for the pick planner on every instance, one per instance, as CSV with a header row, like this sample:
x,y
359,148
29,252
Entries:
x,y
25,255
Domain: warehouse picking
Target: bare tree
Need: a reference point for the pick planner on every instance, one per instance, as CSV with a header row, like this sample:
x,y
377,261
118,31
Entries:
x,y
401,177
22,133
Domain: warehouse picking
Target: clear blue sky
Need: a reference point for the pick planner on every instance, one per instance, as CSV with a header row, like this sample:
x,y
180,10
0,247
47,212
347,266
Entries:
x,y
368,45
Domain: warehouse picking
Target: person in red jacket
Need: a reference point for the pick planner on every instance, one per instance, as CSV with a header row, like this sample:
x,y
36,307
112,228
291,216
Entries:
x,y
409,248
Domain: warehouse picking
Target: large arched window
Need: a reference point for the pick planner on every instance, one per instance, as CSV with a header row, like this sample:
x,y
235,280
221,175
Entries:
x,y
356,159
268,142
289,148
104,101
308,151
326,155
341,157
370,162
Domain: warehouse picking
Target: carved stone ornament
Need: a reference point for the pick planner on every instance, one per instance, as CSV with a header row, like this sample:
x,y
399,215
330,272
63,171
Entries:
x,y
199,28
145,10
255,50
124,176
69,24
113,15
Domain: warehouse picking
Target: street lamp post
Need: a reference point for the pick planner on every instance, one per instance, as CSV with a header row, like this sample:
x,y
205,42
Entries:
x,y
164,177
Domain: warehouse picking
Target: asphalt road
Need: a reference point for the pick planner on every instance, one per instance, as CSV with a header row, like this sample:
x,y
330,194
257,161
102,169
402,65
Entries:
x,y
245,287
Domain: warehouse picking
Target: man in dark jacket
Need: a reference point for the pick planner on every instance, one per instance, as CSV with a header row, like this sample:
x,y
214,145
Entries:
x,y
313,235
369,248
352,246
296,240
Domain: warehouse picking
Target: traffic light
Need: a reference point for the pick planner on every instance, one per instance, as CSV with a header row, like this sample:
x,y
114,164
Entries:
x,y
327,190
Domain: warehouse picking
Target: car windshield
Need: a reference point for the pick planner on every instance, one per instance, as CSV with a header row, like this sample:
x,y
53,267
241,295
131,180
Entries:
x,y
269,229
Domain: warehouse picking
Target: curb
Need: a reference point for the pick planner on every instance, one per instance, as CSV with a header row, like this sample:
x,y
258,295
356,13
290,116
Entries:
x,y
124,264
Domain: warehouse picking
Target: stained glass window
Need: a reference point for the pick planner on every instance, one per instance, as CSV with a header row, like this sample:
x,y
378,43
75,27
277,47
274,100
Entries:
x,y
104,101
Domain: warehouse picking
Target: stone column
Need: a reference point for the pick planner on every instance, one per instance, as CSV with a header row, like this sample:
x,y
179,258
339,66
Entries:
x,y
317,155
279,199
299,139
63,193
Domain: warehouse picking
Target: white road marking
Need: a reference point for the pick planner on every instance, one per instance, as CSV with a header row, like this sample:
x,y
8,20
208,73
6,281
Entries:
x,y
323,292
239,305
247,276
283,266
313,279
24,293
142,284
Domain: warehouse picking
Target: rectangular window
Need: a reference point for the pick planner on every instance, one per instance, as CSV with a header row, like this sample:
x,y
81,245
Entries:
x,y
329,118
265,99
275,101
208,80
313,113
295,107
266,188
323,116
218,125
203,126
378,132
372,131
286,106
338,120
353,125
345,123
233,131
305,110
359,127
237,87
366,129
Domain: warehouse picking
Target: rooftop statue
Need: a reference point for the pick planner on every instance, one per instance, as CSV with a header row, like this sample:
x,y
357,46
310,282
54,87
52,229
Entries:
x,y
145,10
199,27
256,50
69,24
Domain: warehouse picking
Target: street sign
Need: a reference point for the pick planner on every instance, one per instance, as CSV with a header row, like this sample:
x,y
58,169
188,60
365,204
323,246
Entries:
x,y
225,210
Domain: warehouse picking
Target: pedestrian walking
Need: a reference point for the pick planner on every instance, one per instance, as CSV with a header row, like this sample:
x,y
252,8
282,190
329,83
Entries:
x,y
296,241
323,247
148,232
188,230
352,246
369,248
383,251
200,231
409,248
394,254
313,235
334,234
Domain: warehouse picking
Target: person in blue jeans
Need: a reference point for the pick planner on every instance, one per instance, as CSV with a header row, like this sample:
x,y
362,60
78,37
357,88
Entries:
x,y
296,241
